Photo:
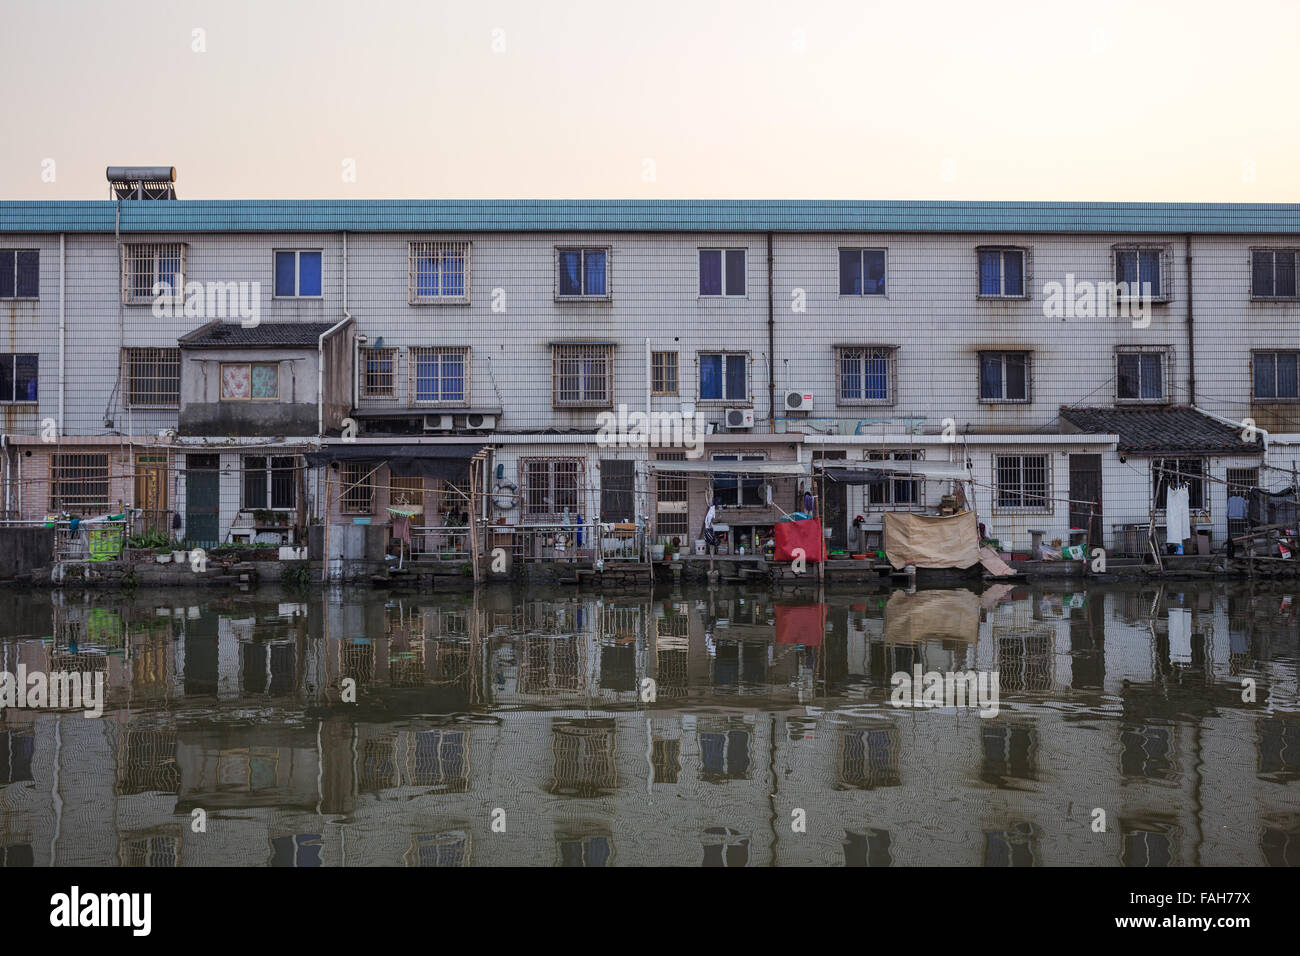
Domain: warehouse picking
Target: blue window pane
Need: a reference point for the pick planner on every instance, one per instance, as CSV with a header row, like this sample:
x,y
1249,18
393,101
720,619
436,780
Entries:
x,y
1286,376
851,376
736,378
570,272
1128,376
1017,376
453,275
1261,272
1284,283
1013,273
6,273
453,378
877,378
991,376
710,272
990,273
735,272
710,376
1149,270
284,273
1152,375
426,276
1126,266
594,277
1264,376
850,272
309,273
873,268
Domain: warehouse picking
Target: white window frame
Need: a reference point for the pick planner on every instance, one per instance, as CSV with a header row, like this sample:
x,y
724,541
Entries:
x,y
1029,377
1163,353
297,274
415,354
724,294
746,399
888,352
436,251
1048,505
221,366
151,253
582,278
1166,277
1026,272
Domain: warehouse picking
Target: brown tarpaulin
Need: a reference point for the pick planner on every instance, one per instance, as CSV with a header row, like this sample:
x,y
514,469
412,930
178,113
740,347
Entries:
x,y
931,541
952,615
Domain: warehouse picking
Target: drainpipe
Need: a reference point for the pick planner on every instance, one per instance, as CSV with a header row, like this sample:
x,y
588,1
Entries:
x,y
1191,338
1238,425
356,344
63,321
771,342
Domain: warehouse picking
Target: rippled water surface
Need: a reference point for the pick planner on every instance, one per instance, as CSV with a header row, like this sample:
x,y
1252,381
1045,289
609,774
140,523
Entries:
x,y
1148,726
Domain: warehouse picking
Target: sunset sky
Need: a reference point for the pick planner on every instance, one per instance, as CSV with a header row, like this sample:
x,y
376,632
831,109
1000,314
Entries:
x,y
1104,100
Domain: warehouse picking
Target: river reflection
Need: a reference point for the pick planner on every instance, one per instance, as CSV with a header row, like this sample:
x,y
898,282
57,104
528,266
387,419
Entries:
x,y
719,727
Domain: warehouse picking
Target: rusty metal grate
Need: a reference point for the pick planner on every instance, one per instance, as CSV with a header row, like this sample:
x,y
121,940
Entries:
x,y
150,270
152,377
583,375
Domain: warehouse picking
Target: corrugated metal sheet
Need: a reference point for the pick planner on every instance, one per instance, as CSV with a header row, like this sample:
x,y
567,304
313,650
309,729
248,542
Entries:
x,y
506,215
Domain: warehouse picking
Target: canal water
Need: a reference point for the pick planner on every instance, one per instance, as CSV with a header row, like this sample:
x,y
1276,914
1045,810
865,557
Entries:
x,y
1117,725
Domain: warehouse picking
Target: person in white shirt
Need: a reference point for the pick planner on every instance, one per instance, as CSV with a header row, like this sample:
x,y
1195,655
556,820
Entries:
x,y
710,536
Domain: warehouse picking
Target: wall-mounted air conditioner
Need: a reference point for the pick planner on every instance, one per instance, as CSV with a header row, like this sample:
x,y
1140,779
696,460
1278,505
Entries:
x,y
798,401
476,422
739,418
439,423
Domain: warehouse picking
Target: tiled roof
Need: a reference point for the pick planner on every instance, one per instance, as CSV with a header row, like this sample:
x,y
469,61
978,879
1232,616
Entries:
x,y
629,215
232,335
1148,430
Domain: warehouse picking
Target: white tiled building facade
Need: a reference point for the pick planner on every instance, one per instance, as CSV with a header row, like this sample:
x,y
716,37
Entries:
x,y
535,317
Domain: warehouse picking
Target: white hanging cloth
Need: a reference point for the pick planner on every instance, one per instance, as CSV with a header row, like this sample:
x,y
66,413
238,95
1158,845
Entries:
x,y
1178,518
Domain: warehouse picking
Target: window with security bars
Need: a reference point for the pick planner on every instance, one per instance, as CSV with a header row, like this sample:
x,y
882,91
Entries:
x,y
153,377
671,516
663,373
439,272
79,483
1140,375
866,375
153,270
269,482
406,491
358,488
1273,273
552,487
439,375
378,373
1188,471
583,375
896,490
1021,483
1240,482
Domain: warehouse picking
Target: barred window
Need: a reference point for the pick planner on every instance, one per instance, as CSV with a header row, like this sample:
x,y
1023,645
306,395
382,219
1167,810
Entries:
x,y
358,487
1188,471
1021,482
895,491
379,373
153,377
866,375
269,483
439,272
20,273
552,486
151,270
79,483
671,498
406,491
439,375
583,375
663,374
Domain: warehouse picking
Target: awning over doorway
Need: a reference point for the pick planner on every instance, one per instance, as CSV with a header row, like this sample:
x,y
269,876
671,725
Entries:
x,y
448,461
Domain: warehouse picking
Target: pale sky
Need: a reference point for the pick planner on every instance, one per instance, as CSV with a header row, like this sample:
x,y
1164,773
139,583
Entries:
x,y
1097,100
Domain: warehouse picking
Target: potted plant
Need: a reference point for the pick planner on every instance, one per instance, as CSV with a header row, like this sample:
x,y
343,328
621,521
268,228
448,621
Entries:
x,y
163,555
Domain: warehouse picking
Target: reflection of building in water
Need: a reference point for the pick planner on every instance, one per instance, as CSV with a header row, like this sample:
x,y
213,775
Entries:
x,y
1127,704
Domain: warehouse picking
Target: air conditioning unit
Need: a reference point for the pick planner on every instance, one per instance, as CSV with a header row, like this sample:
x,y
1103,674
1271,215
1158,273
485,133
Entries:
x,y
480,422
439,423
739,418
798,401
